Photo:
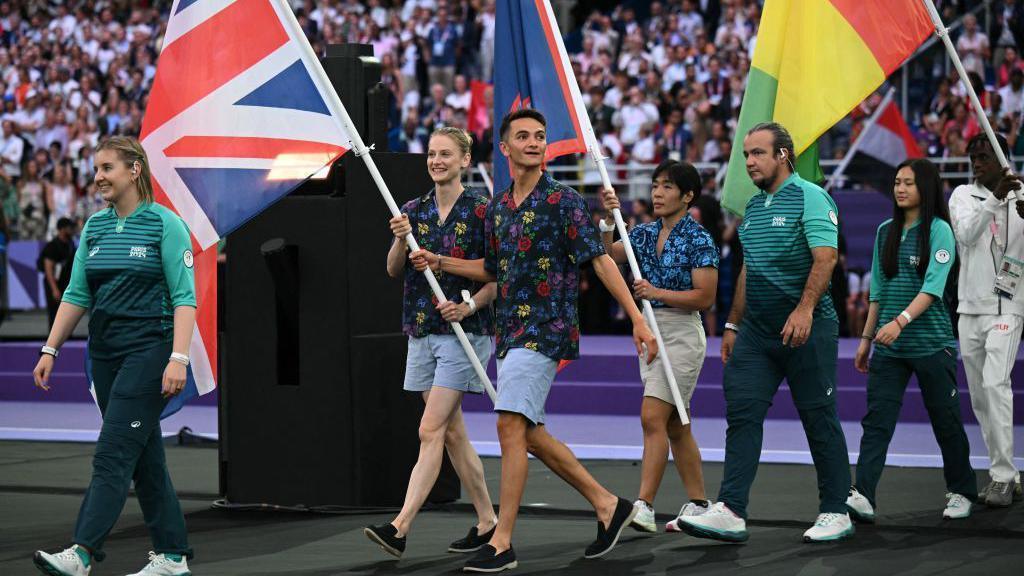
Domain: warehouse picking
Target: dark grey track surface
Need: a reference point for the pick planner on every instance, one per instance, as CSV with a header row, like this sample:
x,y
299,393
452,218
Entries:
x,y
41,485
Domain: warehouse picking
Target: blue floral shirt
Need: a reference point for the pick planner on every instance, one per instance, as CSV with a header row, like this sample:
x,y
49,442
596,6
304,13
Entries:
x,y
461,235
688,246
535,250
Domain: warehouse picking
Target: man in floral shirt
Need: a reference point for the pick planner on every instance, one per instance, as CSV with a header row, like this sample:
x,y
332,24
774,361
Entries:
x,y
538,234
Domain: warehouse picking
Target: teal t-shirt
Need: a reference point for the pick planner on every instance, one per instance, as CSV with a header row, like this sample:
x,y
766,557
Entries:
x,y
932,331
778,232
131,273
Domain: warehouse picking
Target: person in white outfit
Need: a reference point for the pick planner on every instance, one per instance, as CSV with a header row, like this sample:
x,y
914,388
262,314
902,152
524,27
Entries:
x,y
990,242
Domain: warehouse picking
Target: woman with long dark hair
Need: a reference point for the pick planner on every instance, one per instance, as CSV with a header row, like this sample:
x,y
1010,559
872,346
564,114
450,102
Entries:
x,y
914,254
679,263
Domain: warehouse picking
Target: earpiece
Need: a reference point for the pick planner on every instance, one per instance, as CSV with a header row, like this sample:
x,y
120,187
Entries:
x,y
783,153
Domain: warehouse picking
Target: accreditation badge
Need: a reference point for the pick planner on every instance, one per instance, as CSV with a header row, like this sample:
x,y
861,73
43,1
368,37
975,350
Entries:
x,y
1008,277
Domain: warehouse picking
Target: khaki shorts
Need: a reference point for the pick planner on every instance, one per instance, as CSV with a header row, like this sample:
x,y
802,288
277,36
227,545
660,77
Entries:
x,y
685,343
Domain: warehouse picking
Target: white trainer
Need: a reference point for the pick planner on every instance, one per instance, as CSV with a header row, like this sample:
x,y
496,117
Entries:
x,y
644,520
688,509
718,523
957,506
161,565
67,562
829,527
859,507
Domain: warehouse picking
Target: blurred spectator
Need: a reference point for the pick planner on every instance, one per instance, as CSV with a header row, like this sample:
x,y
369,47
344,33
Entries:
x,y
442,40
57,257
60,198
32,204
460,98
973,46
12,150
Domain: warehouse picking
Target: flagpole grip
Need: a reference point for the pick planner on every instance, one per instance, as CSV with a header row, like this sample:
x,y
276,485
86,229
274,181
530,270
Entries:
x,y
943,33
648,310
336,106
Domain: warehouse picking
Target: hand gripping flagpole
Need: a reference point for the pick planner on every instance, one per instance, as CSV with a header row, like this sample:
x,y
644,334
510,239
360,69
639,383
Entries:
x,y
359,149
595,151
943,33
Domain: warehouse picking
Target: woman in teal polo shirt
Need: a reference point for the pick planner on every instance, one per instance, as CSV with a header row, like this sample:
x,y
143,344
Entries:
x,y
914,253
133,273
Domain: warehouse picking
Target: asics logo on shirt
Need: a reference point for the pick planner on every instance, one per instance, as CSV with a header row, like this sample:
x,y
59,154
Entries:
x,y
137,252
778,221
828,392
94,251
136,424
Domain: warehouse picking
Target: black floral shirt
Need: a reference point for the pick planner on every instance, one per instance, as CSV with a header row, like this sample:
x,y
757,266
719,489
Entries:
x,y
535,250
461,235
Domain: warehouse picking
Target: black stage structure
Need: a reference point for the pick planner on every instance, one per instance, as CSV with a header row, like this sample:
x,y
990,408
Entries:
x,y
312,409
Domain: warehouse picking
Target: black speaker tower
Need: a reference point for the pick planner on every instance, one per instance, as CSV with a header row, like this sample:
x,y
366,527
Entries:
x,y
312,410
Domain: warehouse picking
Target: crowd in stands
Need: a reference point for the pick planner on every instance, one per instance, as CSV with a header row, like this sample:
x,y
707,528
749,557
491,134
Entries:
x,y
661,79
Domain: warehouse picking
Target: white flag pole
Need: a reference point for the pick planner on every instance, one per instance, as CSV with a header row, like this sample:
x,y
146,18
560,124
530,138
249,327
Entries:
x,y
359,149
595,152
487,178
943,33
841,169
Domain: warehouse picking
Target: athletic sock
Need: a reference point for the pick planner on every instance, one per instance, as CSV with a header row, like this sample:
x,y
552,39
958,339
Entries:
x,y
701,503
173,557
84,555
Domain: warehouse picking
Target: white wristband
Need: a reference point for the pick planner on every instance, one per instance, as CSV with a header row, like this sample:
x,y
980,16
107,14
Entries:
x,y
468,299
906,316
605,227
731,326
49,350
179,358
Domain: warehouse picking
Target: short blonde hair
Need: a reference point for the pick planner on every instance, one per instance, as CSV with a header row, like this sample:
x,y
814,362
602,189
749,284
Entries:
x,y
130,151
461,138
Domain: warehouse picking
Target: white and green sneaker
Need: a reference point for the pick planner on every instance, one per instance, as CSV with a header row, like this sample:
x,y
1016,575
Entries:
x,y
859,507
164,565
688,509
829,527
718,523
957,507
644,519
73,561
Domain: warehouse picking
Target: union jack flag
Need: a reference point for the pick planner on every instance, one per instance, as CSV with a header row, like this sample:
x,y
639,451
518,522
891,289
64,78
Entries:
x,y
238,116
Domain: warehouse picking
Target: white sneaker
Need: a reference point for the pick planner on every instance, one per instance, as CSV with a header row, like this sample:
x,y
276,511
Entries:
x,y
161,565
957,506
859,507
688,509
718,523
67,562
829,527
644,519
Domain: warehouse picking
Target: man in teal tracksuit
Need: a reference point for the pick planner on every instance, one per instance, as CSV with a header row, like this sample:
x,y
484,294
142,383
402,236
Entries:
x,y
782,325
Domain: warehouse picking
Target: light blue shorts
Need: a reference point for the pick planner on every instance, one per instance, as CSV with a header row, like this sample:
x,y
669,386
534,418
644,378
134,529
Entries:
x,y
439,360
524,380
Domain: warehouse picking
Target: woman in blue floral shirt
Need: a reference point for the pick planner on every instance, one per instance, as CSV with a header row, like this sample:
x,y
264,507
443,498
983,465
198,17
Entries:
x,y
448,220
679,263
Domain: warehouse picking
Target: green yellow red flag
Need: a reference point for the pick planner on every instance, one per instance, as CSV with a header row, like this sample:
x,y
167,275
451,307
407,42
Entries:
x,y
814,61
